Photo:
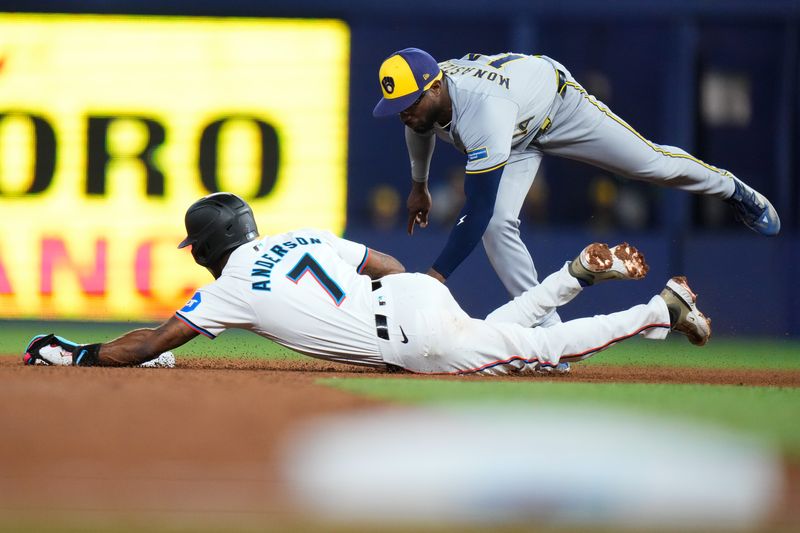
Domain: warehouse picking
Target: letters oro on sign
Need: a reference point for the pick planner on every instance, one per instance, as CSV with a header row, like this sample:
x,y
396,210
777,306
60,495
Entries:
x,y
110,126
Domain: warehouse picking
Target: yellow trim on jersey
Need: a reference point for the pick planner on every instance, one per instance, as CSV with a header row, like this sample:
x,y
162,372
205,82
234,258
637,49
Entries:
x,y
655,148
486,169
545,125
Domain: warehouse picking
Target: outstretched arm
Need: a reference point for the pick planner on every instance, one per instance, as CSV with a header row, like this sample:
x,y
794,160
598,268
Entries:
x,y
133,348
481,192
141,345
486,134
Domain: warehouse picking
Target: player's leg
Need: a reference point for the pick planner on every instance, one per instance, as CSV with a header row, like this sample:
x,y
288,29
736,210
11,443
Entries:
x,y
597,262
461,345
505,250
682,312
539,301
586,130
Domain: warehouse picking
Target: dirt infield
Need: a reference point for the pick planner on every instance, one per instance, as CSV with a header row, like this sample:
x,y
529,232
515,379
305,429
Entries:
x,y
579,374
199,442
192,441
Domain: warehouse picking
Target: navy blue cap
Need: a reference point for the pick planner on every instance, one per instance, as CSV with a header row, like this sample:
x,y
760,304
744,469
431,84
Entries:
x,y
404,76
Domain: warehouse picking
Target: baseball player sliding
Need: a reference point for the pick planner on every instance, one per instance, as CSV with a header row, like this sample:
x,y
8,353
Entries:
x,y
338,300
506,111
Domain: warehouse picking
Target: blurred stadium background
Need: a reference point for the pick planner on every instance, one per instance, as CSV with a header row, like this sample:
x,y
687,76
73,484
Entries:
x,y
115,116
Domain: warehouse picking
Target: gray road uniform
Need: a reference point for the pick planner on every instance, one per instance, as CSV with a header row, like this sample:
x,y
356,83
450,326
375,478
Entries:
x,y
304,290
508,110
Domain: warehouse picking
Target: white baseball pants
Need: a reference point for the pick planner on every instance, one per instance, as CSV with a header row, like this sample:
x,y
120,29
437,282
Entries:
x,y
430,333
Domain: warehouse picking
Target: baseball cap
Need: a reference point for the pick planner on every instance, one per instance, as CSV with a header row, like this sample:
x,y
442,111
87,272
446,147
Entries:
x,y
404,76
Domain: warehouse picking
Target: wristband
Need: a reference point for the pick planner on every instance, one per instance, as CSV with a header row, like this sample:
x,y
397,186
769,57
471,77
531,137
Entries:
x,y
86,355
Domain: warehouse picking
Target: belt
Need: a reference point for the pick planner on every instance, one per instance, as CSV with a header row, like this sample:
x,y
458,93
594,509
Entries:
x,y
560,86
381,324
382,330
382,327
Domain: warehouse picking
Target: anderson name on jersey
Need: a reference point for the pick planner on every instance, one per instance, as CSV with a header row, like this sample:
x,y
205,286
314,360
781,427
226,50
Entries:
x,y
302,289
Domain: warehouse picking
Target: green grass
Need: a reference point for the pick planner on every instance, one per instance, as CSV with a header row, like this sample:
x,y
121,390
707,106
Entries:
x,y
236,344
774,354
14,336
770,412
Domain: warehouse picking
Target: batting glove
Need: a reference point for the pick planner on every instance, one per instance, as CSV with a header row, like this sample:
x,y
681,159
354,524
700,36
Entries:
x,y
58,351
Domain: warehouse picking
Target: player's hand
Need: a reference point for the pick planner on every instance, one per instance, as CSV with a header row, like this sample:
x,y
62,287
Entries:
x,y
418,204
49,350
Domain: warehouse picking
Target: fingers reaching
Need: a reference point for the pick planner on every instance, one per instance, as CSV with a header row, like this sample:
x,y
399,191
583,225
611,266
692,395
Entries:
x,y
420,217
412,219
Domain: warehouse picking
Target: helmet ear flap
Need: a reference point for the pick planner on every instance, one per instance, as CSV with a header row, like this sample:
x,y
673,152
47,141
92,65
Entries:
x,y
200,253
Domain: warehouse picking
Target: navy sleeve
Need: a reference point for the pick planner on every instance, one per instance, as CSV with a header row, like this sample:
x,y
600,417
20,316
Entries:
x,y
481,193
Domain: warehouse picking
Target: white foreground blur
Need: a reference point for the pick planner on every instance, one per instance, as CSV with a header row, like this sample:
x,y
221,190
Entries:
x,y
545,465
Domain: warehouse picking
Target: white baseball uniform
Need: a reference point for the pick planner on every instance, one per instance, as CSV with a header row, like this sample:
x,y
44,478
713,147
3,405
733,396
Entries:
x,y
508,110
303,290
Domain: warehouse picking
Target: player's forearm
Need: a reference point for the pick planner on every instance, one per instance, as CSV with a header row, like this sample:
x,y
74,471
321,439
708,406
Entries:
x,y
379,265
420,152
133,348
142,345
481,193
463,239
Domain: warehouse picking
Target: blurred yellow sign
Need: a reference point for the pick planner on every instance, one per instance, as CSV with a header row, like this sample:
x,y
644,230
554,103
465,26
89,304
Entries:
x,y
111,126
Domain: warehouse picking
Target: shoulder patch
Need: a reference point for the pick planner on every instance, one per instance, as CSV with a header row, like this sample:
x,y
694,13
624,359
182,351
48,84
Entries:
x,y
192,304
477,154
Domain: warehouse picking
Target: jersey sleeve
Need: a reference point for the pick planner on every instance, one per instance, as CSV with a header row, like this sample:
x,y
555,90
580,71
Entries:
x,y
420,151
212,310
486,134
481,193
353,253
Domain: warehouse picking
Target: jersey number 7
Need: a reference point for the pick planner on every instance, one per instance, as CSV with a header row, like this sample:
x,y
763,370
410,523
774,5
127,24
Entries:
x,y
307,263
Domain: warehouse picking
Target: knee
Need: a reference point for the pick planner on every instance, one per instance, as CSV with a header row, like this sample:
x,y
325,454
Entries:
x,y
501,226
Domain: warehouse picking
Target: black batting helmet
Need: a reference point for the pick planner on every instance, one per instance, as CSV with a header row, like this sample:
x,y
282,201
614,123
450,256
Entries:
x,y
217,223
